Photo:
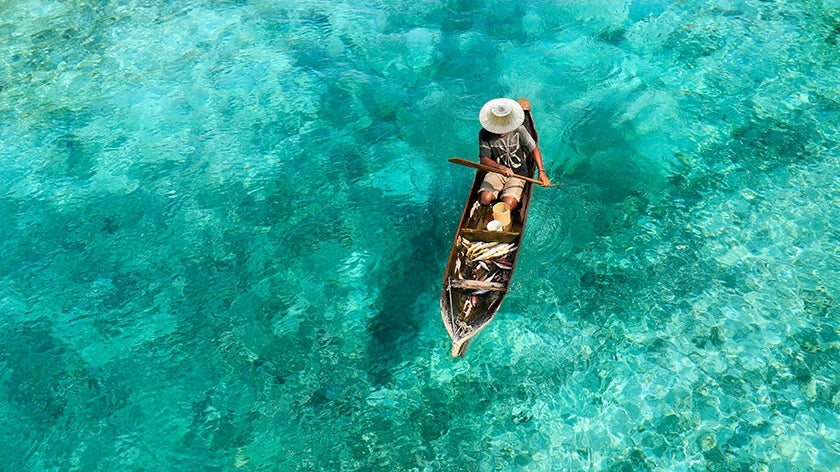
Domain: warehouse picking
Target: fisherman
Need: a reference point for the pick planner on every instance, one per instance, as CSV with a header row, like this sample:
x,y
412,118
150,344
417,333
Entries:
x,y
504,143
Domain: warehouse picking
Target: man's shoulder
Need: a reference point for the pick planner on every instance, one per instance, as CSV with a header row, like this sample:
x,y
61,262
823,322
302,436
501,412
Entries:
x,y
525,134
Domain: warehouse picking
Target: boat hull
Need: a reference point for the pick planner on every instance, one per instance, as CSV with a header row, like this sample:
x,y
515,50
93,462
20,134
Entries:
x,y
481,262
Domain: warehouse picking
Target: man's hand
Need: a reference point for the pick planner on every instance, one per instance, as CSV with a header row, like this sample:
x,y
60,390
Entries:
x,y
544,180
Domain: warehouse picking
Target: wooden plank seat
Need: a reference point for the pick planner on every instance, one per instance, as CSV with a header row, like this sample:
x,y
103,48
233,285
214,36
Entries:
x,y
487,235
477,285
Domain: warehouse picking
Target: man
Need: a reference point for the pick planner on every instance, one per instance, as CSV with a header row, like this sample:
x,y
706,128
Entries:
x,y
504,143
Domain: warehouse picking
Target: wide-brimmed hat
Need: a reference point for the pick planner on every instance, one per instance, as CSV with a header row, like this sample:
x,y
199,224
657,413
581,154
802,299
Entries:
x,y
501,115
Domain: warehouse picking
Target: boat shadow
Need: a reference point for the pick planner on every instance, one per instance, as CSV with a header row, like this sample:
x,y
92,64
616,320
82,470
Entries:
x,y
412,280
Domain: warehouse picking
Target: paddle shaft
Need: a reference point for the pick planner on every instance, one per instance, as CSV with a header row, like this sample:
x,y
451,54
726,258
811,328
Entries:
x,y
484,167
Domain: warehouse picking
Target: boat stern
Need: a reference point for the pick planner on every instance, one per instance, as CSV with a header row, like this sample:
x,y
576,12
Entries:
x,y
459,348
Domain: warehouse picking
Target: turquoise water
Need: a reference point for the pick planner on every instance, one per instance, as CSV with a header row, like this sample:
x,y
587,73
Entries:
x,y
225,227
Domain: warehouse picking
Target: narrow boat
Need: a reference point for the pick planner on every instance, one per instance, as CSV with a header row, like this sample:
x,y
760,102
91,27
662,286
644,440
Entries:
x,y
481,261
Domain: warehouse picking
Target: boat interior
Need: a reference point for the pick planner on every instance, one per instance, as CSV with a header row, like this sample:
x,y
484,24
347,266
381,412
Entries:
x,y
480,233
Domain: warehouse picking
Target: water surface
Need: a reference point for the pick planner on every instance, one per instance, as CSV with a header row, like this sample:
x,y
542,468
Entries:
x,y
226,224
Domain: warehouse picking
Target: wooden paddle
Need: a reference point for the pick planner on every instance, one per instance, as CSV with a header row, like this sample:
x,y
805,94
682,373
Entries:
x,y
476,165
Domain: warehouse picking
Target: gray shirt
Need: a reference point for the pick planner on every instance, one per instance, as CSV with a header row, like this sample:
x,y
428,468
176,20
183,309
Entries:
x,y
510,150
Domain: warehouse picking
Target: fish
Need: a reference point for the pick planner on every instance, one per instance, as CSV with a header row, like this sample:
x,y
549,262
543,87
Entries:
x,y
498,251
503,264
489,247
479,248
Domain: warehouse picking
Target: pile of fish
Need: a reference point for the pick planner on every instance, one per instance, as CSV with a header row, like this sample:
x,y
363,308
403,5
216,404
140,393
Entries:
x,y
480,251
487,261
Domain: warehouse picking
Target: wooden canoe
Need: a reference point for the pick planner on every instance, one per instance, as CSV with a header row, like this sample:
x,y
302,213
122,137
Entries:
x,y
481,262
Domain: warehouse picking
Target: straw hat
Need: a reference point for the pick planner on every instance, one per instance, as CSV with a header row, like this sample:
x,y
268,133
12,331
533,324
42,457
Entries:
x,y
501,115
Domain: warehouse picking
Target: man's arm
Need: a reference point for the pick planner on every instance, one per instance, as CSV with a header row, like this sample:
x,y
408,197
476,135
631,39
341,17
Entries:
x,y
541,175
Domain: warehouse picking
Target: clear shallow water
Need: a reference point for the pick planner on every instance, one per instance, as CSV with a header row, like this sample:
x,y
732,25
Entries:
x,y
226,223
